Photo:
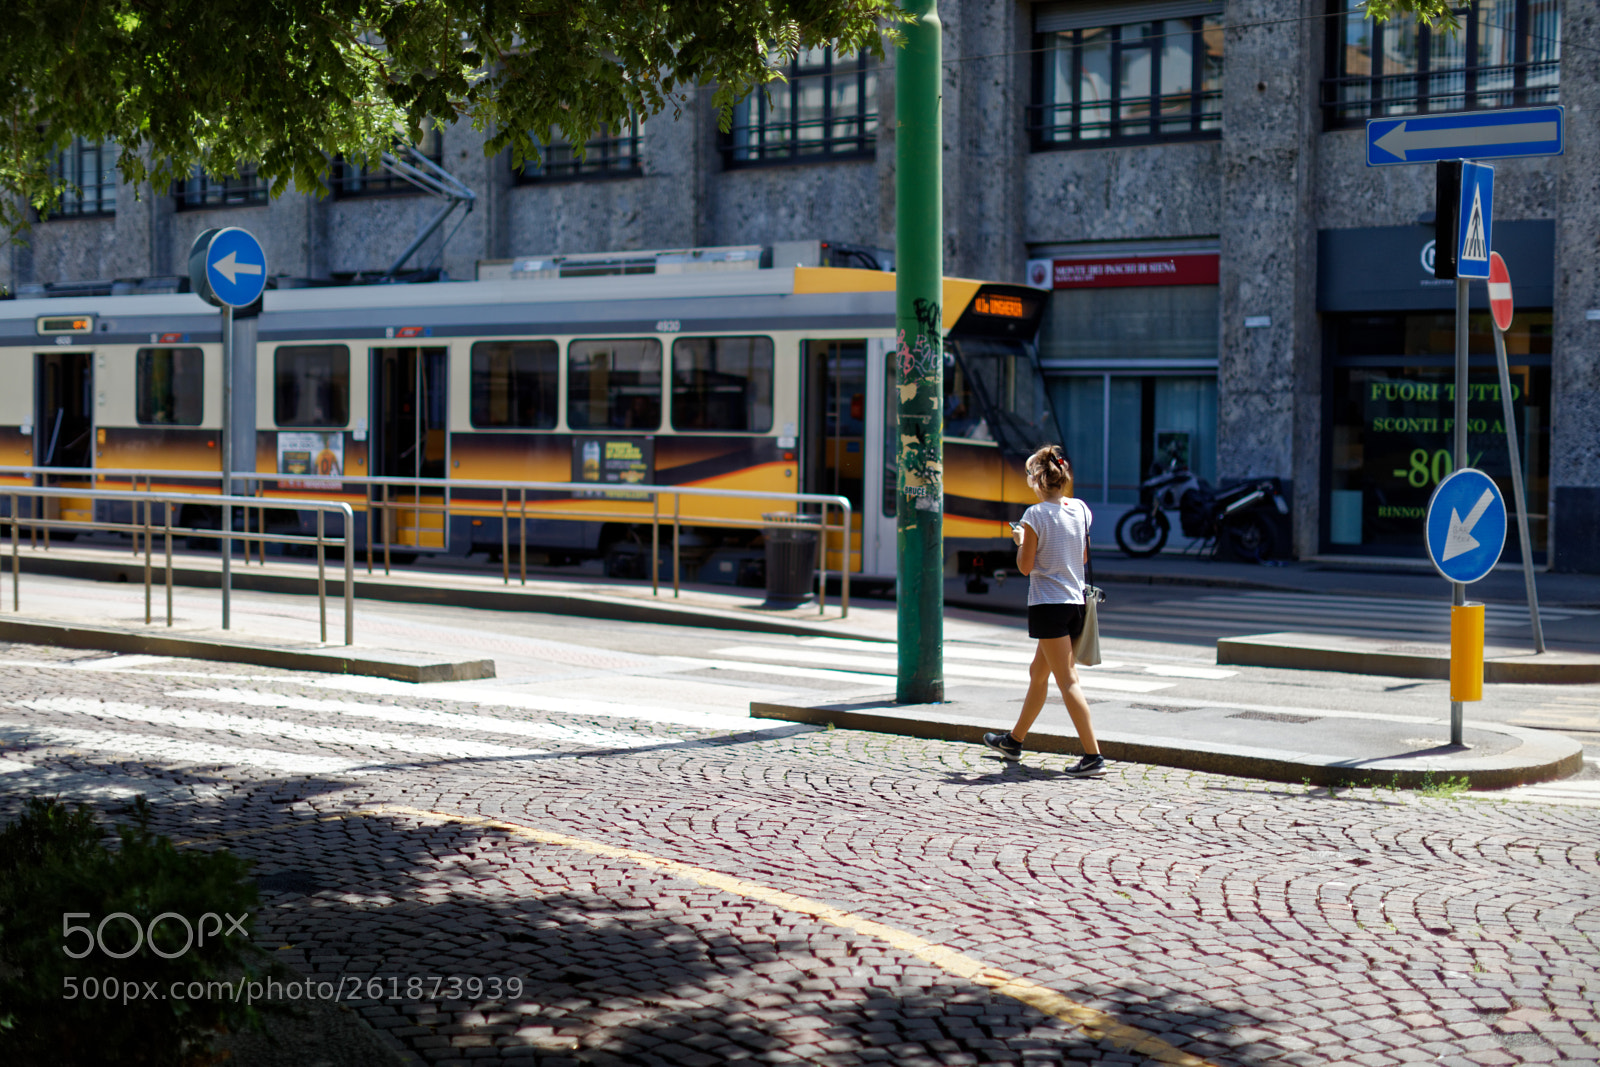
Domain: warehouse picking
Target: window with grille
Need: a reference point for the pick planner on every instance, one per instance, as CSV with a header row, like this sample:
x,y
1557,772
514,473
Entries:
x,y
827,109
202,190
612,154
90,171
1507,53
349,180
1155,79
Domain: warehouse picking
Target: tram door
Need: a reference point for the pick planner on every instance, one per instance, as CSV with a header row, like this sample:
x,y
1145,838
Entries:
x,y
842,439
63,426
409,440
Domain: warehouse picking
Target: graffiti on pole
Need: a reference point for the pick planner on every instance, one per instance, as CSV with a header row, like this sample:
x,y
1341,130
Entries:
x,y
921,365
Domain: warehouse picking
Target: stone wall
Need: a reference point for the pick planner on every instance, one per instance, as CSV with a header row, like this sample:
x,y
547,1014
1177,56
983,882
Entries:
x,y
1269,380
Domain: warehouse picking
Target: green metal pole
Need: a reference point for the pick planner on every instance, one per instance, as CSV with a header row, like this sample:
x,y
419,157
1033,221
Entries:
x,y
919,280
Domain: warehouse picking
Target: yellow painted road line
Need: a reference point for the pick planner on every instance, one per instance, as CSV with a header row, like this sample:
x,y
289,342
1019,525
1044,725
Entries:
x,y
1094,1023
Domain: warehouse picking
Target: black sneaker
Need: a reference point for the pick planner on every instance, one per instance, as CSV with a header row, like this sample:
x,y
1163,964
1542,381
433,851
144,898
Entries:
x,y
1002,743
1088,767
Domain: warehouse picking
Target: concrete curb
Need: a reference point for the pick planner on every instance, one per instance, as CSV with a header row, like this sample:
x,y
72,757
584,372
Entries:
x,y
1358,655
373,662
1541,756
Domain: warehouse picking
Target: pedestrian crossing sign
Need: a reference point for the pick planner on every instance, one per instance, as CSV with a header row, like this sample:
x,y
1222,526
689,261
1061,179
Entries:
x,y
1477,220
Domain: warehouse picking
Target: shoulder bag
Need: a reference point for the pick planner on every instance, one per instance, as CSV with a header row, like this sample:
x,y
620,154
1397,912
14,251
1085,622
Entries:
x,y
1086,646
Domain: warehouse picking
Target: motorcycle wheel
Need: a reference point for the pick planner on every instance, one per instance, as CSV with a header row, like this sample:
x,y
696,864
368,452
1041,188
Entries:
x,y
1142,533
1250,538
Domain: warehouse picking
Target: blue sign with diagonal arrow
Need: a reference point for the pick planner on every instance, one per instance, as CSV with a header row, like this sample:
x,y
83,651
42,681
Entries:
x,y
1530,131
1466,525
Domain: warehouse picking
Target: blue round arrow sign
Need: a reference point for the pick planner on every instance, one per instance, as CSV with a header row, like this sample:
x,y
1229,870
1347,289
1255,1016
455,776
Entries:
x,y
1466,525
235,267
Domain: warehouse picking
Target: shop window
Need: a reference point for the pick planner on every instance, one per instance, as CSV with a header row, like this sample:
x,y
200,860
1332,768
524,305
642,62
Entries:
x,y
168,386
1507,53
614,153
1134,82
1136,323
1391,425
202,190
826,109
312,385
89,170
722,384
350,180
515,385
614,384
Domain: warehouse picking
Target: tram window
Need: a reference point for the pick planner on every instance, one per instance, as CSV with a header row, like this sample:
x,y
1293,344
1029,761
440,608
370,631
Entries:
x,y
614,384
312,385
515,384
963,408
168,384
722,384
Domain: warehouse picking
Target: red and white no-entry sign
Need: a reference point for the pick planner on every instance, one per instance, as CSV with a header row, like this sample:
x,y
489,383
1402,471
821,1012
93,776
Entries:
x,y
1499,292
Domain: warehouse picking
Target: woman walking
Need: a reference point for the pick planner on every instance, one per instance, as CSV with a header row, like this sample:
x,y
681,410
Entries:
x,y
1052,549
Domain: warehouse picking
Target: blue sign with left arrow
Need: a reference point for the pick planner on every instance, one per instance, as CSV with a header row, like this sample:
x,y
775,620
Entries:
x,y
1466,525
227,267
1530,131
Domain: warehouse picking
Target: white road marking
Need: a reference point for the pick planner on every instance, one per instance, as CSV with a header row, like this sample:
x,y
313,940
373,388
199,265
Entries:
x,y
854,677
1172,670
170,750
277,728
573,735
119,663
44,780
505,697
887,666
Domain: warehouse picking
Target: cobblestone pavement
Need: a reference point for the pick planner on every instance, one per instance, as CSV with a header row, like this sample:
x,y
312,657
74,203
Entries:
x,y
647,879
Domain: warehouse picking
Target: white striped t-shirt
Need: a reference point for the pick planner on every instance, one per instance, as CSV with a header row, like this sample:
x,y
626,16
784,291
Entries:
x,y
1063,532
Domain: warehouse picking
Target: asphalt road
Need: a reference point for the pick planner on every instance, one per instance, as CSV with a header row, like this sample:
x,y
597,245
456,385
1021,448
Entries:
x,y
668,881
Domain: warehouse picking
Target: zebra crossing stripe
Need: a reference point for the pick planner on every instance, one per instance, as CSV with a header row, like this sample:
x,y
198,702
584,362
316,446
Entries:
x,y
169,750
445,720
187,718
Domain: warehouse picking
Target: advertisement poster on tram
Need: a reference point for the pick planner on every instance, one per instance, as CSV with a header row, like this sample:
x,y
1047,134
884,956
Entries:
x,y
614,461
320,456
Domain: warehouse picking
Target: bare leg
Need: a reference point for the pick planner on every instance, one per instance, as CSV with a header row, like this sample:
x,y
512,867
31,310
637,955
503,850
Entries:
x,y
1038,690
1057,652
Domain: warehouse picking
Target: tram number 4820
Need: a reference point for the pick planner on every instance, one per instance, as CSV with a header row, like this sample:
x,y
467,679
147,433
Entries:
x,y
1431,468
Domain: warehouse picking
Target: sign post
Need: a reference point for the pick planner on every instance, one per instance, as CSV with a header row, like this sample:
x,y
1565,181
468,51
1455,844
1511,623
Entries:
x,y
1500,307
1465,530
227,269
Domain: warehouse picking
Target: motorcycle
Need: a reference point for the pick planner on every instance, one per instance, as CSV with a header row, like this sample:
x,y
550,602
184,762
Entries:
x,y
1235,516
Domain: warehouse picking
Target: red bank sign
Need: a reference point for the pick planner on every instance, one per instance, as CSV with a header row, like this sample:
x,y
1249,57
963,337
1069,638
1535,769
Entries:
x,y
1193,268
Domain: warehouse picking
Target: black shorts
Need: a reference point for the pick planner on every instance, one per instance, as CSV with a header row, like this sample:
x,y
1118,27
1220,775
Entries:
x,y
1055,620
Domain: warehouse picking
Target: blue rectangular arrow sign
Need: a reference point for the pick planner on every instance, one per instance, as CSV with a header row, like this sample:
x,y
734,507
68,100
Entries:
x,y
1533,131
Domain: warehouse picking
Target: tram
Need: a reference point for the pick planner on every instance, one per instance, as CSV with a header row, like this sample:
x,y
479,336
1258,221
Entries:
x,y
695,368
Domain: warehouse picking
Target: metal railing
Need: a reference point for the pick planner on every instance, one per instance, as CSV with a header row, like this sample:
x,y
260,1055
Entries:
x,y
148,529
379,507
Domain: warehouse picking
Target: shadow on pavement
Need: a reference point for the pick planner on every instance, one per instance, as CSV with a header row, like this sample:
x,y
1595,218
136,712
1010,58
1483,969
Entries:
x,y
480,941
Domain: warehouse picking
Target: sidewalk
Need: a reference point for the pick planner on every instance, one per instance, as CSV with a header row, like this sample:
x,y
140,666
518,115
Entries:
x,y
1195,734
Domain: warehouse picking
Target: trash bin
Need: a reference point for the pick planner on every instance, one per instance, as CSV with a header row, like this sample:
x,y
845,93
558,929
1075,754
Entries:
x,y
791,559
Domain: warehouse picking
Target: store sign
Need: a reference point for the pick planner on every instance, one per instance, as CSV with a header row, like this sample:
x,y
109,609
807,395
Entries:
x,y
1390,268
1187,268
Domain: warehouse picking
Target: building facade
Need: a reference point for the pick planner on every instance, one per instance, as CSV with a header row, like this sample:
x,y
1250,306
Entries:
x,y
1229,283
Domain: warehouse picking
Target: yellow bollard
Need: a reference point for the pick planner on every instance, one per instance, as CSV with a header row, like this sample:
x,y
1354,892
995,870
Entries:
x,y
1466,652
